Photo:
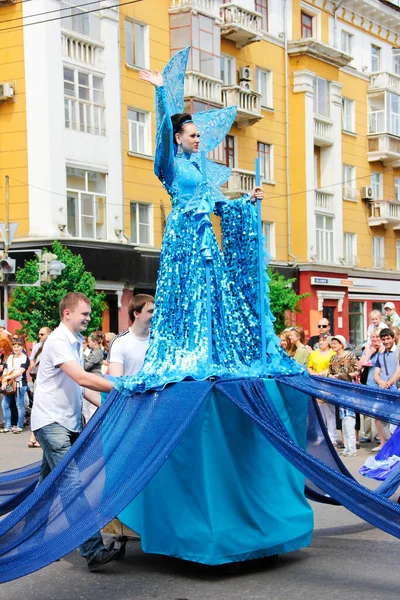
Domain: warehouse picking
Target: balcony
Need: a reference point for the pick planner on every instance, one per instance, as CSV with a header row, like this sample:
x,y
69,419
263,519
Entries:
x,y
386,213
81,49
324,202
240,182
383,81
323,131
206,7
384,138
315,49
248,104
240,25
202,87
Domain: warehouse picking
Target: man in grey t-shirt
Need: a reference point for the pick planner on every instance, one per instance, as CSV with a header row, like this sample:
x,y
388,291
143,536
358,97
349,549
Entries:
x,y
56,418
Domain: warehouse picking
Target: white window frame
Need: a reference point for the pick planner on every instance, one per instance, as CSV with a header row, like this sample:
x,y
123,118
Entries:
x,y
316,17
77,7
350,191
347,42
316,98
396,61
146,43
350,249
348,115
378,252
150,224
82,114
96,217
324,239
145,127
271,178
377,58
268,230
377,186
398,255
397,189
265,88
229,67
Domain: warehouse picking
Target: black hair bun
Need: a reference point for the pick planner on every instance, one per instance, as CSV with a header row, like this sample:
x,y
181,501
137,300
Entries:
x,y
177,122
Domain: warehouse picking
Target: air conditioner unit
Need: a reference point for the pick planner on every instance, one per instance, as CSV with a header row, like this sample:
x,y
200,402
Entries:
x,y
6,90
246,85
367,193
245,74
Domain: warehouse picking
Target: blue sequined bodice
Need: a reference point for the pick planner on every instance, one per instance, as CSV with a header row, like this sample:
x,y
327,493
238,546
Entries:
x,y
186,180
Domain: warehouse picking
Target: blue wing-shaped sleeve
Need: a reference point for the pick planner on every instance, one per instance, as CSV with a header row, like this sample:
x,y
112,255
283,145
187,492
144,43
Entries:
x,y
165,153
174,84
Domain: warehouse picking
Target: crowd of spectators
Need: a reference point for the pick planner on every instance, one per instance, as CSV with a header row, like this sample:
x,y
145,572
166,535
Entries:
x,y
329,355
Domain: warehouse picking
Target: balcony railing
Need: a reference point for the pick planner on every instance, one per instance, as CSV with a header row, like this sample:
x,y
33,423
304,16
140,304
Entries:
x,y
208,7
350,193
240,182
203,87
323,131
384,147
324,201
248,104
385,212
81,49
384,81
240,25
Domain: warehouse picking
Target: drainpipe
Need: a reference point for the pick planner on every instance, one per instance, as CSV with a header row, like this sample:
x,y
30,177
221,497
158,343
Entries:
x,y
289,204
335,9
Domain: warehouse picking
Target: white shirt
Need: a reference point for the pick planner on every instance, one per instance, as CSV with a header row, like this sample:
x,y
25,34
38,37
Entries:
x,y
129,350
58,399
17,362
35,348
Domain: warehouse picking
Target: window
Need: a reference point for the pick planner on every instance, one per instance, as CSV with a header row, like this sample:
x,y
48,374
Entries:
x,y
228,70
357,322
139,132
375,58
204,37
86,204
261,6
84,107
348,115
324,229
347,42
393,113
397,189
264,87
349,183
225,152
321,97
141,224
350,248
398,255
136,44
377,185
306,25
378,252
265,154
396,60
81,19
268,230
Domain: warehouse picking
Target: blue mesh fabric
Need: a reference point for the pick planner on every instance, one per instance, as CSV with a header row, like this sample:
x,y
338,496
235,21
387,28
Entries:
x,y
16,485
252,398
122,447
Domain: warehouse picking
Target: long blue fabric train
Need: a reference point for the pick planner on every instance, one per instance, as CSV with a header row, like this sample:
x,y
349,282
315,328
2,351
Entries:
x,y
112,461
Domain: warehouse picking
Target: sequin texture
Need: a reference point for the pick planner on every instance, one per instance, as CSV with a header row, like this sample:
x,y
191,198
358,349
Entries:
x,y
178,346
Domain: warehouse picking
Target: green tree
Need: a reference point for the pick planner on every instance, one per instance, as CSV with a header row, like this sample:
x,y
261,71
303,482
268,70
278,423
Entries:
x,y
36,307
282,298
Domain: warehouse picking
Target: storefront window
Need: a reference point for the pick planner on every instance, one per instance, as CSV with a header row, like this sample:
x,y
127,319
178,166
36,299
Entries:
x,y
378,306
357,322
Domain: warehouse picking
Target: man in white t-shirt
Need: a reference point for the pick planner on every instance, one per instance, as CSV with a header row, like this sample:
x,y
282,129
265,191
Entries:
x,y
56,418
128,349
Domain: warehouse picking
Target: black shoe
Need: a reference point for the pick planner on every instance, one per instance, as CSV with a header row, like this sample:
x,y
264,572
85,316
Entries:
x,y
358,446
102,558
365,440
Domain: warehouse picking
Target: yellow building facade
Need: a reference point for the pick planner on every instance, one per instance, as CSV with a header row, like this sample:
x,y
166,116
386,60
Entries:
x,y
317,84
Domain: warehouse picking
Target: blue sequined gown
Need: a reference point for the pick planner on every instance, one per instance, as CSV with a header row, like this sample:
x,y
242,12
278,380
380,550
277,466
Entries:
x,y
179,334
224,494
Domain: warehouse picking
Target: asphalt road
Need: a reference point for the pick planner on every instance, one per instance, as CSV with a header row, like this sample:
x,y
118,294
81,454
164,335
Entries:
x,y
347,559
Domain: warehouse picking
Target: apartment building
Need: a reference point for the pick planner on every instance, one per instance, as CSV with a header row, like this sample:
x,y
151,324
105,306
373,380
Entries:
x,y
317,85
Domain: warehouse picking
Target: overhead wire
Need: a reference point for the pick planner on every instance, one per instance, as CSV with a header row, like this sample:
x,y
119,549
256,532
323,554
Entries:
x,y
49,12
6,29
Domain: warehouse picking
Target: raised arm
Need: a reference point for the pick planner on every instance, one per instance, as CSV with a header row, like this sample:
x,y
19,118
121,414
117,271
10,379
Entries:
x,y
164,158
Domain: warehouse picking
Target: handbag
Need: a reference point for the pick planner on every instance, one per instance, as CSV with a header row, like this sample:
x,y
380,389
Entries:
x,y
11,386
